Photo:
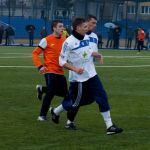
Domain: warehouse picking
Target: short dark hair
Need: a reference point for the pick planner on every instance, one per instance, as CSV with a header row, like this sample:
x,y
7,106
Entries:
x,y
77,22
54,23
89,17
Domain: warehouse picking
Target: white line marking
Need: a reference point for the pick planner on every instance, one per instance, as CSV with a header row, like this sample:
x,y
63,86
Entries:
x,y
27,55
15,53
17,67
127,56
134,66
16,57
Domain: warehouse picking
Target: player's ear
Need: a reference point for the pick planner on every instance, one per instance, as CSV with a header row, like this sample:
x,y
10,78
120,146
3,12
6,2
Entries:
x,y
77,28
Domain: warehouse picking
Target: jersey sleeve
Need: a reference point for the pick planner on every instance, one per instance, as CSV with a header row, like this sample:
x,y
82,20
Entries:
x,y
96,47
37,51
43,43
64,53
35,57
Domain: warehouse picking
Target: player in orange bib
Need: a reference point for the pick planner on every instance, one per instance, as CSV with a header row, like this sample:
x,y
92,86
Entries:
x,y
141,35
56,83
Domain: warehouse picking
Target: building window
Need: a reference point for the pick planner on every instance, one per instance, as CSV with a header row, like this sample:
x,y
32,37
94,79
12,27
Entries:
x,y
145,10
131,9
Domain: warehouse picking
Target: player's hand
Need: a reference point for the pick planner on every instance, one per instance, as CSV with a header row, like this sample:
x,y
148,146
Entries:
x,y
98,56
79,70
101,60
43,69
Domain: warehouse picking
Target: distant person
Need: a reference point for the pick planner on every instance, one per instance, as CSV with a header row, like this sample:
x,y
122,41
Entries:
x,y
148,39
11,35
116,37
68,29
7,36
43,32
110,38
136,38
65,33
42,14
100,41
141,35
1,33
130,36
31,35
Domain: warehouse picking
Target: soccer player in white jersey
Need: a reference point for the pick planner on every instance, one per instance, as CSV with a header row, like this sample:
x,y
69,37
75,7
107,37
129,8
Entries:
x,y
85,86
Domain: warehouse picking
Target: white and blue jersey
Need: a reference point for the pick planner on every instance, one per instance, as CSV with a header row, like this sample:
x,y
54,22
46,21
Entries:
x,y
79,53
84,88
93,41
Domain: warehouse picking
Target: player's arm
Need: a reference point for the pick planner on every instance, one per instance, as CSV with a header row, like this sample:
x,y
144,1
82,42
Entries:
x,y
63,59
73,68
35,56
98,56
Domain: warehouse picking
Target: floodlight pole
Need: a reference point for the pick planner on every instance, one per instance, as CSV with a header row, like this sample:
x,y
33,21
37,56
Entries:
x,y
45,17
126,23
22,4
137,11
9,15
1,8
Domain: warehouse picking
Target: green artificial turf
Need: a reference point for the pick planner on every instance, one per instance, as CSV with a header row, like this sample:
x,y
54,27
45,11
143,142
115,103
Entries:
x,y
126,78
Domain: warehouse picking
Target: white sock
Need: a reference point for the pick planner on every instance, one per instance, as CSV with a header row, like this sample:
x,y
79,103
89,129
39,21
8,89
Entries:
x,y
58,109
107,119
68,122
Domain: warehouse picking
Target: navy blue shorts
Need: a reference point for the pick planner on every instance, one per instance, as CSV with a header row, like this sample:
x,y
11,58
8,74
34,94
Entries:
x,y
84,93
57,84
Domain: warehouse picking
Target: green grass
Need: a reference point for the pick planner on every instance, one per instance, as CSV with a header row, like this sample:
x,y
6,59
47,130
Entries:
x,y
128,90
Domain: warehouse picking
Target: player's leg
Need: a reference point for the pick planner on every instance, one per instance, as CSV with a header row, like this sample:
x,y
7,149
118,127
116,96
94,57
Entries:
x,y
100,95
50,83
70,102
62,88
40,91
71,114
86,99
62,91
139,46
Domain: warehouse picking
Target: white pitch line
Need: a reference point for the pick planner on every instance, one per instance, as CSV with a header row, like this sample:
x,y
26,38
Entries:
x,y
127,56
134,66
15,53
16,57
27,55
17,67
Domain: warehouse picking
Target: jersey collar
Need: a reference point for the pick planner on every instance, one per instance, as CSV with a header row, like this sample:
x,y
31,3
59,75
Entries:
x,y
77,35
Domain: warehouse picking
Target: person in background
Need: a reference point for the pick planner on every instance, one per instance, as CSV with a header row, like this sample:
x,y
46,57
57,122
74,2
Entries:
x,y
11,31
43,32
130,36
65,33
141,35
7,36
1,33
110,37
31,35
136,38
148,39
100,41
116,37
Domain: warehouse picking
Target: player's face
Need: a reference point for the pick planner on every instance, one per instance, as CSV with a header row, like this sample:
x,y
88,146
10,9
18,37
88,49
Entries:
x,y
83,28
58,30
92,24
